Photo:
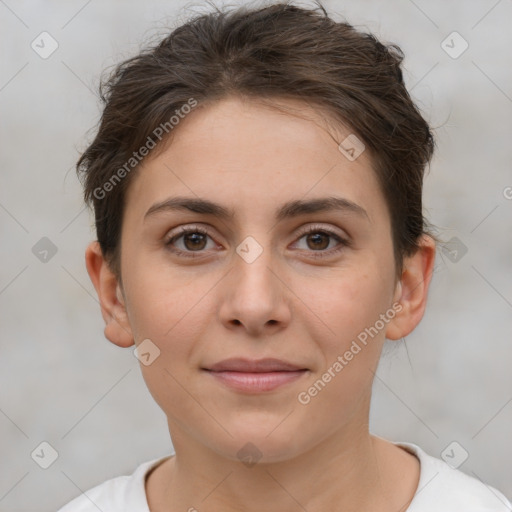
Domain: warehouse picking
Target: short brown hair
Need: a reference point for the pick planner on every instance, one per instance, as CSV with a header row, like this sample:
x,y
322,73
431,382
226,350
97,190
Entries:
x,y
275,51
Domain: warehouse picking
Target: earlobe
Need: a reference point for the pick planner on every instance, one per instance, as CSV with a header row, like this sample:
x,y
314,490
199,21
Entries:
x,y
412,290
117,327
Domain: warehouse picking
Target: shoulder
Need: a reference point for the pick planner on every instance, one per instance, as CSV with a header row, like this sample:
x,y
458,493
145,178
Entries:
x,y
124,493
445,489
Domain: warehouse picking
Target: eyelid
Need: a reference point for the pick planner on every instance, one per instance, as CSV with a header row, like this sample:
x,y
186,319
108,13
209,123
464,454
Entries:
x,y
302,230
186,229
319,227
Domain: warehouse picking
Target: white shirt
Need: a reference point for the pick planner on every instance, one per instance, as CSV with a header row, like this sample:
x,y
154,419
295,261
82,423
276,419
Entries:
x,y
441,489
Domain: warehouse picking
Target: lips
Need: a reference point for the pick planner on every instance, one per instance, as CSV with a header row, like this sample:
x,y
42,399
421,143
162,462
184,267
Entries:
x,y
251,376
254,366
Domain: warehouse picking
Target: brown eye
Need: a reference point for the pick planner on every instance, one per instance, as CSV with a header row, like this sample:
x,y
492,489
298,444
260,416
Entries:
x,y
318,240
193,240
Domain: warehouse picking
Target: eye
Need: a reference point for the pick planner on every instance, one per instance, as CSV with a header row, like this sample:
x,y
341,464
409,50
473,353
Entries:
x,y
194,240
317,239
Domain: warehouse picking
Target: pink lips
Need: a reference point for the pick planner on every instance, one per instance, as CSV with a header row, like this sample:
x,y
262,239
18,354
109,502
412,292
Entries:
x,y
255,376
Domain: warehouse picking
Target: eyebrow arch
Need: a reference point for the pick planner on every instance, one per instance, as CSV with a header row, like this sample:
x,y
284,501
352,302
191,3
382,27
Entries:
x,y
288,210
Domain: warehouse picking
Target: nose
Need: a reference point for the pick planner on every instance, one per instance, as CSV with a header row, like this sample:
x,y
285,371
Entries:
x,y
254,294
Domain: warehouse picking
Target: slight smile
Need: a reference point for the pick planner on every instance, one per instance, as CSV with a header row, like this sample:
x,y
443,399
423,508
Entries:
x,y
255,376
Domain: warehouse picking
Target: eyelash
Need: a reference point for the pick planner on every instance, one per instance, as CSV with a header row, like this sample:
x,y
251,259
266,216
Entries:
x,y
343,242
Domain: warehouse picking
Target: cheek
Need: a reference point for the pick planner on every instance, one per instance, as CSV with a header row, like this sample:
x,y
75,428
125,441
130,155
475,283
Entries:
x,y
344,329
341,307
171,309
163,301
171,314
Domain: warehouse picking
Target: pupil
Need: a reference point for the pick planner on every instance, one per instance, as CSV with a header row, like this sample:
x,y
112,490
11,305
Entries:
x,y
320,235
194,242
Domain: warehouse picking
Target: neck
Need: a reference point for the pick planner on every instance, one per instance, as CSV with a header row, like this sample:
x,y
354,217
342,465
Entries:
x,y
347,471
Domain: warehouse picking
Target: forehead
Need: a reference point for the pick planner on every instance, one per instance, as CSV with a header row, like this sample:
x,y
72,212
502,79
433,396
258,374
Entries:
x,y
282,124
248,154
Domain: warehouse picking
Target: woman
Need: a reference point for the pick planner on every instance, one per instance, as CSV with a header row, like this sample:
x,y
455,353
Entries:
x,y
257,186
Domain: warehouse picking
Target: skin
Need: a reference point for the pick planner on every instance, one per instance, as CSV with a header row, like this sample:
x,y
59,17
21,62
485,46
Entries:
x,y
285,304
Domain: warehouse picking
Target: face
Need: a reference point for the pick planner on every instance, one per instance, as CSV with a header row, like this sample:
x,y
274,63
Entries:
x,y
270,279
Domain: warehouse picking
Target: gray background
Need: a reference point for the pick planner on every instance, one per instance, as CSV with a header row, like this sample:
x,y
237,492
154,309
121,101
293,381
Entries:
x,y
62,382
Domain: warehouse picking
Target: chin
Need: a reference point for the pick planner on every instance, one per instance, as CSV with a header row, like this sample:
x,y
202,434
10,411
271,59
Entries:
x,y
259,445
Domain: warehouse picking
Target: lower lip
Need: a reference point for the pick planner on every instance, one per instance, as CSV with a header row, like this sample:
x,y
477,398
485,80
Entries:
x,y
256,382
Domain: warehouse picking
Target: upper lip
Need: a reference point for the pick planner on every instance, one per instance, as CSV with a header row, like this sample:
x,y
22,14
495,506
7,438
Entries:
x,y
239,364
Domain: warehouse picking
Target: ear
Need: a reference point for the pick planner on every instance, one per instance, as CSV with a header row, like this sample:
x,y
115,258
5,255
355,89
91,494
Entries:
x,y
117,327
412,289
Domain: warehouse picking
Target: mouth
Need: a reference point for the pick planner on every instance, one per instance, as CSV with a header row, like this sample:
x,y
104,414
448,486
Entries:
x,y
253,376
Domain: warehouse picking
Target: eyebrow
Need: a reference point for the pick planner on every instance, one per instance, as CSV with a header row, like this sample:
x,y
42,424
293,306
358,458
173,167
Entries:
x,y
288,210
